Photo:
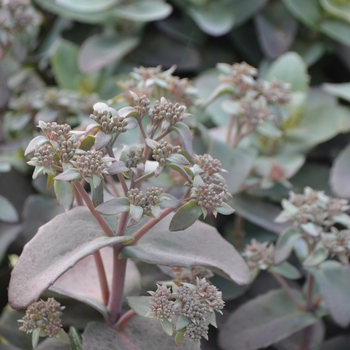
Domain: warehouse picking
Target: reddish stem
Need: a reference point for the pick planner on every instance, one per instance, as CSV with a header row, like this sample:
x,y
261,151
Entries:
x,y
125,319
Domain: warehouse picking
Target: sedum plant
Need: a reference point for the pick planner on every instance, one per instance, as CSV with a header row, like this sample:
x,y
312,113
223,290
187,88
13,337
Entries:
x,y
132,218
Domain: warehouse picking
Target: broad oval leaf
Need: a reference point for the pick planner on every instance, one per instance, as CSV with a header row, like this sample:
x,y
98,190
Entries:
x,y
263,321
89,6
114,206
334,282
186,136
58,246
101,50
82,282
138,333
144,11
338,90
8,212
64,192
316,257
286,270
338,178
308,12
35,142
337,30
291,69
185,217
285,244
199,245
337,8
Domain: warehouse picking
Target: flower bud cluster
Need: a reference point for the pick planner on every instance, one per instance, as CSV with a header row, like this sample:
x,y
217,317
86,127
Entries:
x,y
239,74
153,195
44,315
313,209
190,275
54,131
166,111
163,150
275,91
254,111
90,164
44,156
195,302
142,105
134,157
259,255
208,164
337,242
66,150
136,197
16,15
207,196
110,124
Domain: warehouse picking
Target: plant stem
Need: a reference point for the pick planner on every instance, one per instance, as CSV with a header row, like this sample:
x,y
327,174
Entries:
x,y
116,297
98,261
161,135
287,289
4,49
142,131
102,277
101,221
124,319
111,183
138,234
229,129
144,177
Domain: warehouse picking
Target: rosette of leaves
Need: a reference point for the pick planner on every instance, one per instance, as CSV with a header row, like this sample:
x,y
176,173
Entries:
x,y
188,309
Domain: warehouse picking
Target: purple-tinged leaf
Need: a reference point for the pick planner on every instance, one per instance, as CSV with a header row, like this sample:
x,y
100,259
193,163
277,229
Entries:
x,y
9,233
178,159
151,143
186,136
114,206
82,282
199,245
64,192
334,282
132,123
186,216
263,321
117,168
138,333
102,139
136,212
285,244
36,142
58,246
68,175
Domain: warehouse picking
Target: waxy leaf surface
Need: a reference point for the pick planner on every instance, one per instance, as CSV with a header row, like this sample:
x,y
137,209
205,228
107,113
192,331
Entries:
x,y
263,321
139,333
82,283
58,246
200,244
334,282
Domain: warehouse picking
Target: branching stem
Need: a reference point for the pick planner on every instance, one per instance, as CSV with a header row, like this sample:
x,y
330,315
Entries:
x,y
125,319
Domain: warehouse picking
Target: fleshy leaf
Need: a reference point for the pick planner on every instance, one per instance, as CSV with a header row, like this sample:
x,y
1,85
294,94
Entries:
x,y
138,333
263,321
82,283
185,134
199,245
8,212
102,139
334,282
285,244
68,175
225,209
64,192
186,216
58,246
316,257
114,206
286,270
35,142
139,304
338,177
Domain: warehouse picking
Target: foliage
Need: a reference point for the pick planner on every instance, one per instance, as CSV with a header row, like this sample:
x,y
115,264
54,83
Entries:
x,y
150,175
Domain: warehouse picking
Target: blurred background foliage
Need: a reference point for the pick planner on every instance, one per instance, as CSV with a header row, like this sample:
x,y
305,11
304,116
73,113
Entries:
x,y
59,57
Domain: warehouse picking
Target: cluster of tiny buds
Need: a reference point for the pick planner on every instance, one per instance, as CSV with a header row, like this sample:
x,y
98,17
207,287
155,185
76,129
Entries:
x,y
66,150
136,197
142,105
337,242
163,150
54,131
194,301
207,196
254,111
90,163
44,315
115,124
207,163
275,92
162,303
190,275
240,73
152,194
146,72
259,255
218,183
134,157
163,110
44,155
